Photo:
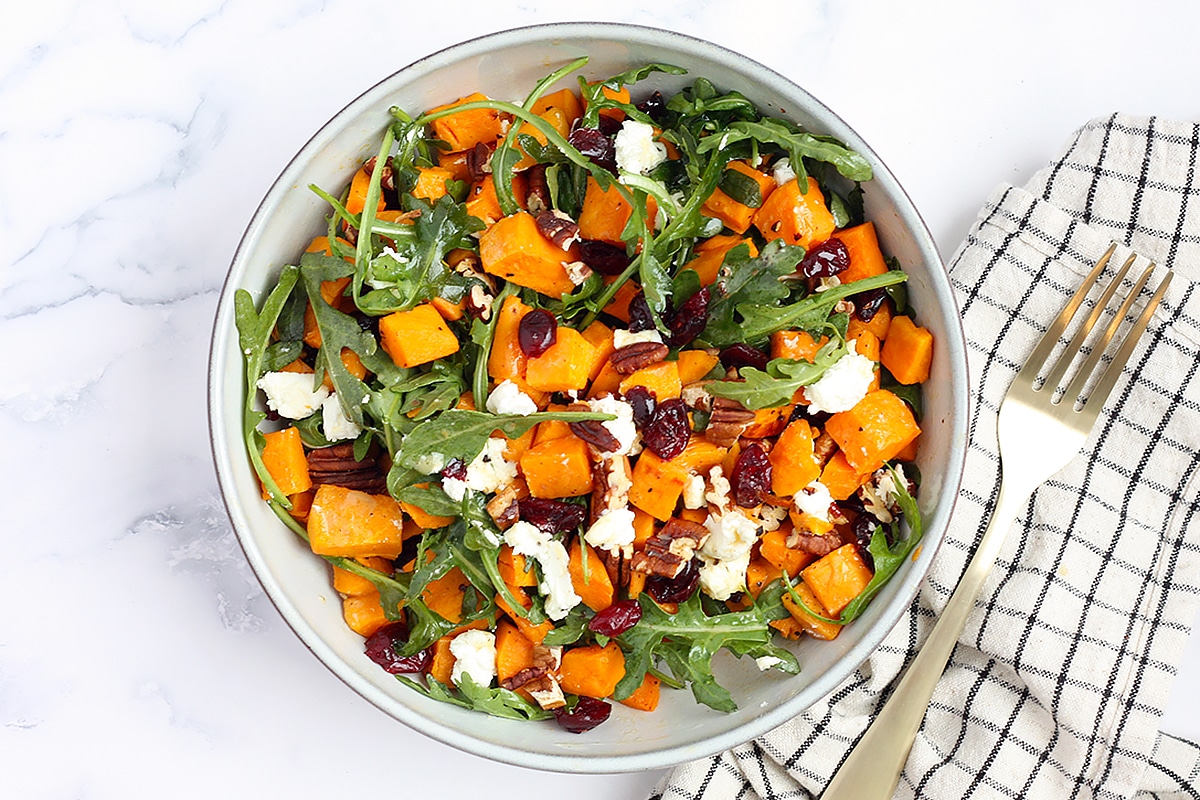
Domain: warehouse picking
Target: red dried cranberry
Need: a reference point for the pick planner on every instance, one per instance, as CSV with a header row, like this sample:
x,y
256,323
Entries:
x,y
537,332
741,355
381,648
610,126
867,304
751,476
551,516
667,433
455,468
824,260
688,321
595,146
654,106
617,618
677,589
587,714
602,257
640,318
643,402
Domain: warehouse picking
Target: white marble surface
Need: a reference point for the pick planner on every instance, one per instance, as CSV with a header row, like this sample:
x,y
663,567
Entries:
x,y
138,655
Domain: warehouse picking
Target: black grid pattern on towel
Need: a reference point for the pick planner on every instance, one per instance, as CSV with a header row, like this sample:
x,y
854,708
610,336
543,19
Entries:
x,y
1059,680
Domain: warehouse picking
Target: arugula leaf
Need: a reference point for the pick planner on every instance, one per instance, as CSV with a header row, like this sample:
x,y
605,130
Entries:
x,y
759,321
888,560
254,337
429,498
798,143
393,589
571,628
779,383
687,641
462,433
497,701
748,282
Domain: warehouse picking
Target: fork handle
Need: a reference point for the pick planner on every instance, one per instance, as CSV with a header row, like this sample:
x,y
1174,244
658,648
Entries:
x,y
872,769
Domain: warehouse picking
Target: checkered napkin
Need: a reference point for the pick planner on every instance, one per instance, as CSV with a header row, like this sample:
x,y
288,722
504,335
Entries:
x,y
1058,682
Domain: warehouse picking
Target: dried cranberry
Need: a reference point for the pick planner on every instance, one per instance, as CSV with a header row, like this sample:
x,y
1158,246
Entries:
x,y
867,304
609,125
687,321
551,516
677,589
455,468
587,714
824,260
643,401
741,355
595,146
381,648
640,318
537,332
667,433
617,618
751,476
602,257
654,106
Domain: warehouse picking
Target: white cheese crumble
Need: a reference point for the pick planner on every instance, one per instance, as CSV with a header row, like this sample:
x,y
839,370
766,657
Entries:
x,y
636,149
731,535
624,338
507,398
842,385
783,172
693,492
532,542
291,394
474,654
612,530
764,663
489,472
771,517
814,500
334,422
622,428
720,580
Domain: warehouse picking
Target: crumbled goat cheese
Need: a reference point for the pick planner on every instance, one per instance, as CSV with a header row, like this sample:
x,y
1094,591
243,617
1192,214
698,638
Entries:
x,y
720,580
430,463
612,530
783,172
771,517
764,663
718,487
291,394
491,471
624,338
731,535
334,422
619,480
881,496
532,542
474,654
814,500
507,398
842,385
622,428
636,149
454,488
693,492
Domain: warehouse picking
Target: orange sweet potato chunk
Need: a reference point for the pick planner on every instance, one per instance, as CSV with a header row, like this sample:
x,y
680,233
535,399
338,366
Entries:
x,y
416,336
866,259
566,366
464,129
661,378
514,249
283,456
806,622
347,522
592,670
605,213
908,351
837,578
798,218
874,430
591,582
793,463
558,468
514,651
773,548
735,215
657,485
645,697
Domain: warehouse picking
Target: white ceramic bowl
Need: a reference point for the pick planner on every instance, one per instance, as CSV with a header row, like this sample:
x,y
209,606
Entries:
x,y
505,65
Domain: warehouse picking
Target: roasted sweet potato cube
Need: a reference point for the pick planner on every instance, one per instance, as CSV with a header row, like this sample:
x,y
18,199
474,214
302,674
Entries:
x,y
710,255
592,670
416,336
866,259
734,214
841,478
645,697
589,577
799,218
564,367
283,456
558,468
773,548
514,249
363,613
347,522
661,378
462,130
874,430
807,622
837,578
907,351
605,213
793,463
657,485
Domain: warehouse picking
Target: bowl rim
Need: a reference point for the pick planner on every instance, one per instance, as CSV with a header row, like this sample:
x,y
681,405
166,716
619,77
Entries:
x,y
663,757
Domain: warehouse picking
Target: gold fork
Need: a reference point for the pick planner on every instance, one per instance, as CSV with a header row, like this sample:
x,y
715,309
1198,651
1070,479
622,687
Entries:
x,y
1039,431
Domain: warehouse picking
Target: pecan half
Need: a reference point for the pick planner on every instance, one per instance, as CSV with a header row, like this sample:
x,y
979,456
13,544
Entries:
x,y
670,548
504,507
479,162
632,357
336,465
818,544
611,482
537,195
387,178
823,447
729,418
556,226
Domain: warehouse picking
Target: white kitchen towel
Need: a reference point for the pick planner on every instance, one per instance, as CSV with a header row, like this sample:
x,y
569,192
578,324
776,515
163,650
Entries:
x,y
1058,682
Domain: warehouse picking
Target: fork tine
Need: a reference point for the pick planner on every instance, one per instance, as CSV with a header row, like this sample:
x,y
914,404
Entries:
x,y
1076,343
1089,364
1038,357
1104,387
